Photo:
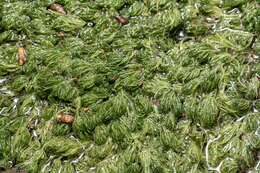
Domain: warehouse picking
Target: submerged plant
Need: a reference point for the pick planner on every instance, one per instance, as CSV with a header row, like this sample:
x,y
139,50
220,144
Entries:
x,y
130,86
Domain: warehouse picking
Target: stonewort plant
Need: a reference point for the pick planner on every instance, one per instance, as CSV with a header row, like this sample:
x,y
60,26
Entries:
x,y
130,86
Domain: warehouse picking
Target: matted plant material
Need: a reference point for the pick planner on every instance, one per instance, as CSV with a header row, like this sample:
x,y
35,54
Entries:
x,y
125,86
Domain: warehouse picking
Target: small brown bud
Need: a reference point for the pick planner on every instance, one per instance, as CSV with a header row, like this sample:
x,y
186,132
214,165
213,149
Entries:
x,y
61,34
21,56
121,20
87,109
58,8
65,118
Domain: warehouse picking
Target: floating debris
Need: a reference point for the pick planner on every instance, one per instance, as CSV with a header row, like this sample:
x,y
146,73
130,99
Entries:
x,y
65,118
57,7
121,20
21,56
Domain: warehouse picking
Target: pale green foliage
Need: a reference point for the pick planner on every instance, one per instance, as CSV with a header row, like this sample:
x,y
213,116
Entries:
x,y
174,90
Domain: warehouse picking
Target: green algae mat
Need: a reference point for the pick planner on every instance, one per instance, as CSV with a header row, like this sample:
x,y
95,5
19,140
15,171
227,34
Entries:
x,y
128,86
